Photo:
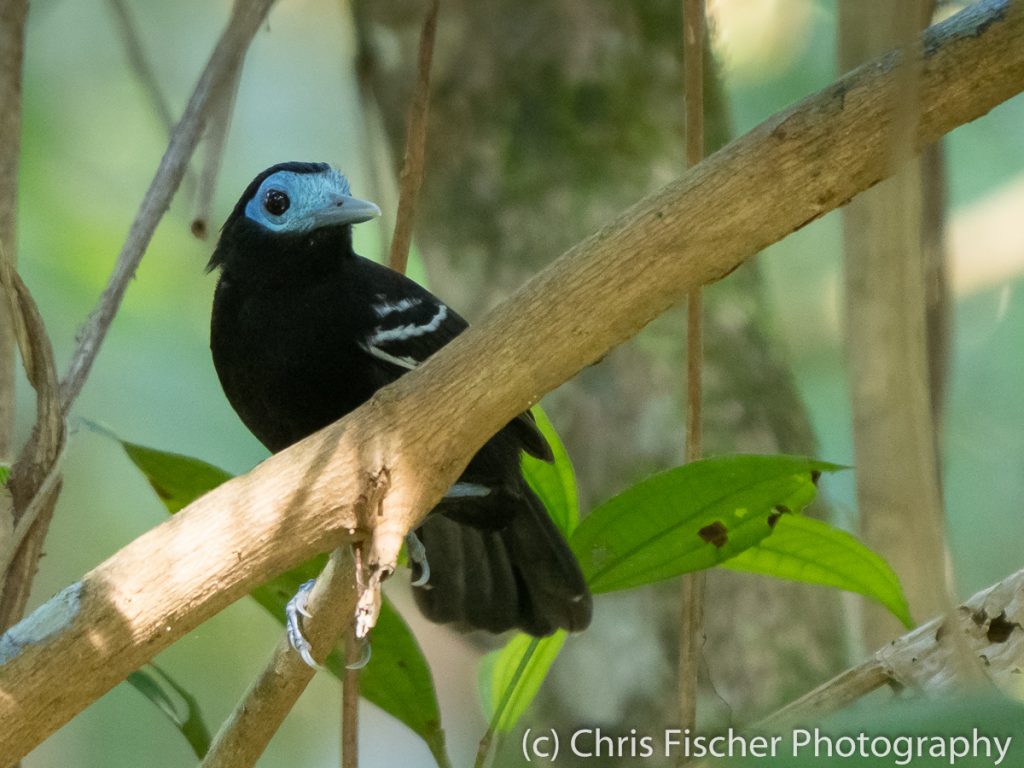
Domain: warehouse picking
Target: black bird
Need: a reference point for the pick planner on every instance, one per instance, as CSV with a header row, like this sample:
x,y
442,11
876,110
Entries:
x,y
304,330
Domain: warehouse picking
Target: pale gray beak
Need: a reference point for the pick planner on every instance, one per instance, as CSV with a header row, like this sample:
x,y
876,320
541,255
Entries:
x,y
347,210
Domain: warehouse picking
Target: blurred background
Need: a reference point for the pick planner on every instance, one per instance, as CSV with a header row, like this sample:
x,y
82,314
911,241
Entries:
x,y
548,118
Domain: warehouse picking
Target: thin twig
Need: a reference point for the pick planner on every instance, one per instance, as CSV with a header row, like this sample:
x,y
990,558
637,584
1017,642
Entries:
x,y
216,140
691,625
33,343
28,517
350,698
842,690
246,17
37,355
140,63
146,74
371,122
35,476
484,746
245,734
12,45
415,146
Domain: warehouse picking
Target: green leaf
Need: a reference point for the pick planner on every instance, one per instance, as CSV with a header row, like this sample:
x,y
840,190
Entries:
x,y
510,677
191,725
397,679
5,472
178,480
808,550
691,517
554,483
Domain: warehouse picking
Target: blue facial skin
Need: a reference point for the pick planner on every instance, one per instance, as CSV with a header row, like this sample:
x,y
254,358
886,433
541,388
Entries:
x,y
289,202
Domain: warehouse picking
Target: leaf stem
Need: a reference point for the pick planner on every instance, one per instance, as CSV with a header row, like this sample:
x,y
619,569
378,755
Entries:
x,y
506,698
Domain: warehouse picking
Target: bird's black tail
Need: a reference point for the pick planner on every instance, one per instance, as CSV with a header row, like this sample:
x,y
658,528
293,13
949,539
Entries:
x,y
521,576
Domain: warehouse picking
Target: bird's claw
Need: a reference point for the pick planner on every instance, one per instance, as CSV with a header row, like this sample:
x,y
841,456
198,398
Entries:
x,y
417,556
365,653
297,607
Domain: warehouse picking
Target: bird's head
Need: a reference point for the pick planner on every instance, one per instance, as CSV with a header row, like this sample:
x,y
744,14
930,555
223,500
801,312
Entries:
x,y
290,214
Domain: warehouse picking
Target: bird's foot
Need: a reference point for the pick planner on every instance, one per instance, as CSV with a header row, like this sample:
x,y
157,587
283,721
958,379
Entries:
x,y
297,607
417,556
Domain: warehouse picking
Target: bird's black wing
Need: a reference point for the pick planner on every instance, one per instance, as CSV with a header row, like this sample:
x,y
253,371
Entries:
x,y
408,325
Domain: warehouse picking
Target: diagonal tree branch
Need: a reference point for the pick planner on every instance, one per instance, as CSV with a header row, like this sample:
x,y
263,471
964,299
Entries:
x,y
246,18
414,437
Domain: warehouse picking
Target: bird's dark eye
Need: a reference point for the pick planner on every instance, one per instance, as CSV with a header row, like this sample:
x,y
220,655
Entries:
x,y
276,202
